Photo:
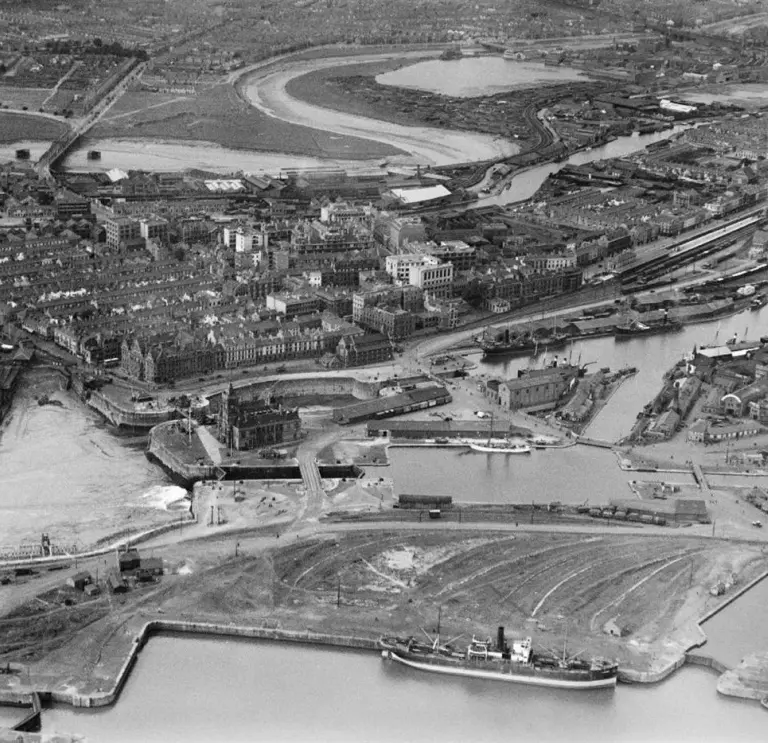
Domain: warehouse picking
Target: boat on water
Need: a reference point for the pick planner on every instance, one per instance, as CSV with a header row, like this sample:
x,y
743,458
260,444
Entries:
x,y
635,328
499,447
514,662
522,344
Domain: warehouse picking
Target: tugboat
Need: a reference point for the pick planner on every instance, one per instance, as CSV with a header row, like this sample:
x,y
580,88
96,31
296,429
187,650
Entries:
x,y
516,662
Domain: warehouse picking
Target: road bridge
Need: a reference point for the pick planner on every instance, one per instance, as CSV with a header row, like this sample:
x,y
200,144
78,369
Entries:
x,y
63,144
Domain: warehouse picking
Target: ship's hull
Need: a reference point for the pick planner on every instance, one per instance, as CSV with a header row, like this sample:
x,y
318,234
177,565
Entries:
x,y
522,349
485,448
626,333
533,676
512,350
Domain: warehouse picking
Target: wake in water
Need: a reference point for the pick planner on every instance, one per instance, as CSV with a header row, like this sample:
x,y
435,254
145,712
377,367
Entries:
x,y
166,498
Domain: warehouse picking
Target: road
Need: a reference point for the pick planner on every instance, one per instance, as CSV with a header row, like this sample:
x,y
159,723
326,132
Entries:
x,y
81,126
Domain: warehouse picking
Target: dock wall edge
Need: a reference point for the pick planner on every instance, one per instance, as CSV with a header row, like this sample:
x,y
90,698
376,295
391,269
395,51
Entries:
x,y
154,627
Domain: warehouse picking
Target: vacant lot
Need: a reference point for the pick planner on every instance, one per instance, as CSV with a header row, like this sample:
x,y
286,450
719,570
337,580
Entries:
x,y
18,127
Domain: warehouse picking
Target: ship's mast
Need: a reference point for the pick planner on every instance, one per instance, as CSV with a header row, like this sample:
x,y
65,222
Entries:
x,y
565,644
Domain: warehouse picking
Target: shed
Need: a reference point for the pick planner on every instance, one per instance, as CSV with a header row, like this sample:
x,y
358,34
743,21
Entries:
x,y
129,560
79,580
116,583
152,565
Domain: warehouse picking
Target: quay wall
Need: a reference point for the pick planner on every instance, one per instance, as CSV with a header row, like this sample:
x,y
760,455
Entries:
x,y
127,416
697,659
154,627
693,658
30,723
733,598
187,473
341,386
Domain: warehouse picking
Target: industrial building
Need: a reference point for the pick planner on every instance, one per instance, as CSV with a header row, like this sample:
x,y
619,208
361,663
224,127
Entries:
x,y
383,407
447,429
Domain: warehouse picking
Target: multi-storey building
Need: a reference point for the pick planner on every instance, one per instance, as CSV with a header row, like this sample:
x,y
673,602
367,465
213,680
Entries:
x,y
154,228
291,305
246,421
432,277
121,229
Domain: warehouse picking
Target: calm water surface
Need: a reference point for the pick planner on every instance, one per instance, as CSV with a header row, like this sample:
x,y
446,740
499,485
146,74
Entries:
x,y
476,76
198,690
575,475
652,356
740,629
525,184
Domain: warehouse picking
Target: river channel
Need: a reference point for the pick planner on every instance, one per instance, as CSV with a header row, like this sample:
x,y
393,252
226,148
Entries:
x,y
652,356
266,90
203,689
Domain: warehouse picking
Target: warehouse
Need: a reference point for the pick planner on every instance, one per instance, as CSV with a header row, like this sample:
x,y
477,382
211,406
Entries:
x,y
383,407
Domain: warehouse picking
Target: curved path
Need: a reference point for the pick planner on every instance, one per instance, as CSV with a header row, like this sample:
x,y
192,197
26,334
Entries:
x,y
266,90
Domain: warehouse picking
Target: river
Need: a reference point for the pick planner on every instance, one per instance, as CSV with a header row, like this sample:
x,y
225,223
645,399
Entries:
x,y
210,689
525,184
652,356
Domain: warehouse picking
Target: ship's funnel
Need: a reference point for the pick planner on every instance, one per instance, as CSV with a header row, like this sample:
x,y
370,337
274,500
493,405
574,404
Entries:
x,y
500,639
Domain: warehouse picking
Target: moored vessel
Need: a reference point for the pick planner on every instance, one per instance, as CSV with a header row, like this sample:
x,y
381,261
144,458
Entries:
x,y
635,328
499,447
514,662
523,344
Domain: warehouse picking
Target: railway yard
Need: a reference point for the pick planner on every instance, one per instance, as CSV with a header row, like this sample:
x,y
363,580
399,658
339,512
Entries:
x,y
633,598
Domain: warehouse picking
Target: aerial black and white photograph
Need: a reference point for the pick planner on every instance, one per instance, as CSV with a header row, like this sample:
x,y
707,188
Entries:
x,y
383,371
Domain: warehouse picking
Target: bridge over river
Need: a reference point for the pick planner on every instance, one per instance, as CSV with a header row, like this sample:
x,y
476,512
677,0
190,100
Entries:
x,y
63,144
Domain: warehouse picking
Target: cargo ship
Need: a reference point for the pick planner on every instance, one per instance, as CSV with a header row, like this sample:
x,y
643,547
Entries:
x,y
636,328
516,662
523,344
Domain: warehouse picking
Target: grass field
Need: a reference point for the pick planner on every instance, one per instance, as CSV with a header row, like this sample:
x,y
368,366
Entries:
x,y
314,88
20,127
32,98
219,115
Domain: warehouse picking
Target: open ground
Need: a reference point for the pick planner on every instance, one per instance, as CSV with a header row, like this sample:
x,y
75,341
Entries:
x,y
16,127
368,582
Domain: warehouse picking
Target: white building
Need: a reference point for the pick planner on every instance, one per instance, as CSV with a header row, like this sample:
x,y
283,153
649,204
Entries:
x,y
432,277
399,266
